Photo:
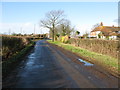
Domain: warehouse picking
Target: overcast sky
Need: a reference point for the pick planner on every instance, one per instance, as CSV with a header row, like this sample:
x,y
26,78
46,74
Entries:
x,y
22,16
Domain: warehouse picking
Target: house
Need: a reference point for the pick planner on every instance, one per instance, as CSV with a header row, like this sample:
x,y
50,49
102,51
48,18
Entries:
x,y
105,32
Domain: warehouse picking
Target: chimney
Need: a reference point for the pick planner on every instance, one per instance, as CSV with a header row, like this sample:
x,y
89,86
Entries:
x,y
101,24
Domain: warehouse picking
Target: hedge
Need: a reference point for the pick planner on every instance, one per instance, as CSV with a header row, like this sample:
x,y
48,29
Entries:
x,y
106,47
11,63
12,45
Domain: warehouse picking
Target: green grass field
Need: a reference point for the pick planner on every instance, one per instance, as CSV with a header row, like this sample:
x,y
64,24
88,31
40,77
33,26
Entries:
x,y
104,60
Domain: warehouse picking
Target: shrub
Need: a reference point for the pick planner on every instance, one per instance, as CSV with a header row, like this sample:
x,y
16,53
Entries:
x,y
12,44
64,39
107,47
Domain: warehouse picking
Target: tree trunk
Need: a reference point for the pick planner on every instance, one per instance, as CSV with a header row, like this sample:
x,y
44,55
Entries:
x,y
53,32
53,35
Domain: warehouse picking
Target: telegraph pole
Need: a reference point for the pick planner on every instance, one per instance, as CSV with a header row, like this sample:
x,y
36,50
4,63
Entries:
x,y
9,31
41,31
21,30
34,29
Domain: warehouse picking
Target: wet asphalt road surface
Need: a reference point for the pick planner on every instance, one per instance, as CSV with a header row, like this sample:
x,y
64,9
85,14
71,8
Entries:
x,y
48,67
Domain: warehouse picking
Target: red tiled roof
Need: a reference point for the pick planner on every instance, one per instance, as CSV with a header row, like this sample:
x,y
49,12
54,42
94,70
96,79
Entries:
x,y
106,30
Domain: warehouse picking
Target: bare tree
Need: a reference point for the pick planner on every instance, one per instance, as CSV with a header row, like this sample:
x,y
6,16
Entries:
x,y
96,25
64,28
86,34
53,19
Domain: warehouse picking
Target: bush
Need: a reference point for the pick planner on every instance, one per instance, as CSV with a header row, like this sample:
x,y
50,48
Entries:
x,y
11,63
107,47
64,39
12,44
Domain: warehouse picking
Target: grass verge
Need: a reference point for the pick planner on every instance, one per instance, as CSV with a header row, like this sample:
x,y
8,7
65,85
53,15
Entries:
x,y
106,61
11,63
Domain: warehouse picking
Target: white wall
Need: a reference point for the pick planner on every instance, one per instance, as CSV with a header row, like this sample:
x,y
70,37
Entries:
x,y
113,37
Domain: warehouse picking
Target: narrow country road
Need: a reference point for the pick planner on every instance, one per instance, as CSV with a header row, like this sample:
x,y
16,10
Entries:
x,y
49,66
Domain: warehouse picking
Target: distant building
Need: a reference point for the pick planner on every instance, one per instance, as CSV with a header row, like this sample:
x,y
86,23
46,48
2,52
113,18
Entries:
x,y
47,35
109,32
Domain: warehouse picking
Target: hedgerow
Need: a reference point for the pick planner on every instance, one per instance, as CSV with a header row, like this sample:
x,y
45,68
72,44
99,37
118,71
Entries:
x,y
106,47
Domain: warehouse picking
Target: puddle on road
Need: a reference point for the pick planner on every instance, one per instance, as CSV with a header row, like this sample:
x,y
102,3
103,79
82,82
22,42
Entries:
x,y
41,66
37,66
30,59
32,56
31,62
85,62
